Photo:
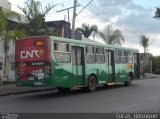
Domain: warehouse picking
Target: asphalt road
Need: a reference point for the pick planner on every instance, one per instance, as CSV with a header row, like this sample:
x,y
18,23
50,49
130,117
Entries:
x,y
142,96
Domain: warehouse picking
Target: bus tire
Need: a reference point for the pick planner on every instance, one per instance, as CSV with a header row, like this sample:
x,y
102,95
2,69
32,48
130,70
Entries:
x,y
129,82
91,87
63,90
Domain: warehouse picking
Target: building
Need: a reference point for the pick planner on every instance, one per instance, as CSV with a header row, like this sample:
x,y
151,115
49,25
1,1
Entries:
x,y
61,29
5,4
11,67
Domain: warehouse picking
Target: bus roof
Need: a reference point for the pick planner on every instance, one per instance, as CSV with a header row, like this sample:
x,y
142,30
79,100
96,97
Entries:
x,y
86,41
91,42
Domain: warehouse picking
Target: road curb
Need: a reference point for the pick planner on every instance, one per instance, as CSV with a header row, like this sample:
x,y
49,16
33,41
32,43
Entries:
x,y
25,92
5,94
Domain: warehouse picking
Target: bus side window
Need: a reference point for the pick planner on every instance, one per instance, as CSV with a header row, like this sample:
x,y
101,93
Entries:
x,y
100,58
135,59
90,55
57,47
118,56
123,57
65,47
129,57
62,52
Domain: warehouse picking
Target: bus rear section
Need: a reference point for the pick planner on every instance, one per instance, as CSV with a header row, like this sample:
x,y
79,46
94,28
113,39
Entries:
x,y
33,61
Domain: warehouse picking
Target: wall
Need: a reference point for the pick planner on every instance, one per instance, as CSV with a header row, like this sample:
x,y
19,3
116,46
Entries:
x,y
11,76
5,4
59,28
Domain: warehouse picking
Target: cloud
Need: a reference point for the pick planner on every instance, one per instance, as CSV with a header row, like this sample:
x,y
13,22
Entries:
x,y
130,17
108,8
139,19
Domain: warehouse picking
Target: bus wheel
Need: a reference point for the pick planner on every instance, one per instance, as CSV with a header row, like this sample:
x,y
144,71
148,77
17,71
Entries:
x,y
91,83
129,82
63,90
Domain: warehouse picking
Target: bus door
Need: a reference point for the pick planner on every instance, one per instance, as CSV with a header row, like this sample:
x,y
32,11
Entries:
x,y
110,65
78,65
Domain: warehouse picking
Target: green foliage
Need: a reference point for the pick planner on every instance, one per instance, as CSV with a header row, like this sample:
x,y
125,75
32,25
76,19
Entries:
x,y
35,14
157,13
87,30
111,36
3,22
156,64
144,42
5,31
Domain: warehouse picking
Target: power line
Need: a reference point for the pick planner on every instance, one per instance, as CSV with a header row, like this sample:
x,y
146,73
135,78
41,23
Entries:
x,y
137,34
93,12
85,6
134,33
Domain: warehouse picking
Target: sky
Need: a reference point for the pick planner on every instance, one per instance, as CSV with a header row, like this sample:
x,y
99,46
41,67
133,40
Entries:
x,y
132,17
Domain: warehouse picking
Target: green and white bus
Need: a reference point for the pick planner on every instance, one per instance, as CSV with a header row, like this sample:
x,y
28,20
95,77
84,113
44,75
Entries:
x,y
67,63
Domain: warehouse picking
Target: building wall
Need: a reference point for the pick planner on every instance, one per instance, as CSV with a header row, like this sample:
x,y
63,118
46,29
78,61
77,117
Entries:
x,y
11,74
59,28
5,4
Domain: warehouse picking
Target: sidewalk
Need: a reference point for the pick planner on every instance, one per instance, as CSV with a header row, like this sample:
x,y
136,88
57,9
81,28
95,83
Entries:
x,y
150,76
12,89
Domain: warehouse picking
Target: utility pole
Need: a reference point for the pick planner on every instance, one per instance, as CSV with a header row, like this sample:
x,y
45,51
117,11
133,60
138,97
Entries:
x,y
67,11
73,20
74,17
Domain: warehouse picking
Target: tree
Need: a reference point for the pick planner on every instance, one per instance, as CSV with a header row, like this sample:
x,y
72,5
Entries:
x,y
35,14
111,36
6,35
144,42
157,13
87,30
